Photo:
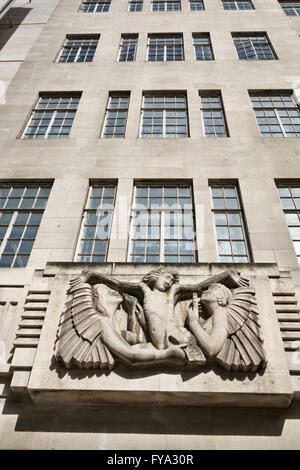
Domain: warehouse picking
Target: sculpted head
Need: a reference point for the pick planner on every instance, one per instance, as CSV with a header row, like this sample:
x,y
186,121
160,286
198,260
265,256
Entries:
x,y
216,295
161,279
107,300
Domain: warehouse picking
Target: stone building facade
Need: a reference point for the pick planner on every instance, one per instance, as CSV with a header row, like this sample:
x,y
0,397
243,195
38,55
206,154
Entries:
x,y
59,109
21,22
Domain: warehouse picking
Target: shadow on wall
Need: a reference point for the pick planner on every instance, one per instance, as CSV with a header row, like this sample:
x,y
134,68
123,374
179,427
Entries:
x,y
10,23
151,419
130,372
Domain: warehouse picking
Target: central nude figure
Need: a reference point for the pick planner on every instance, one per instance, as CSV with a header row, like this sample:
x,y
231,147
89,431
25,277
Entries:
x,y
158,293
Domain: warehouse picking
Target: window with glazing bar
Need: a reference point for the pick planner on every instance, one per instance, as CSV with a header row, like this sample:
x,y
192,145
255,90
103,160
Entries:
x,y
79,48
290,200
164,116
128,46
253,46
162,224
232,239
52,117
277,113
21,210
116,116
213,115
203,47
165,47
291,8
196,5
96,224
165,5
92,6
135,5
243,5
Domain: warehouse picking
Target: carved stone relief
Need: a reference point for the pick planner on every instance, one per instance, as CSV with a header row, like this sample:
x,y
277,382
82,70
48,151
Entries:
x,y
106,320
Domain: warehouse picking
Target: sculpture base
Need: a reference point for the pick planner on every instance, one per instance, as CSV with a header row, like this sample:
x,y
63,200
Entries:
x,y
166,387
190,385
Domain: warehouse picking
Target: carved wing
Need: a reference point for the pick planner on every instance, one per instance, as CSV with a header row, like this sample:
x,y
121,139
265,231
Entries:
x,y
78,338
243,349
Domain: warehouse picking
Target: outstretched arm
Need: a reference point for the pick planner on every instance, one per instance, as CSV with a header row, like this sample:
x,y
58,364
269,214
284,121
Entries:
x,y
211,343
230,279
93,278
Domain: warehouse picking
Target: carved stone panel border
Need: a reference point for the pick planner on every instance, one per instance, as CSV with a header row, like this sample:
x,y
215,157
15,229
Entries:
x,y
27,335
270,387
286,300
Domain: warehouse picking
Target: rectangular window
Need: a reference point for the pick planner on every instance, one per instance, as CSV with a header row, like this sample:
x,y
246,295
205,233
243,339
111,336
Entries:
x,y
290,201
93,6
196,5
246,5
291,8
135,5
52,116
277,114
162,224
96,224
79,48
166,5
213,115
203,47
164,116
116,116
165,47
128,45
21,211
253,46
232,240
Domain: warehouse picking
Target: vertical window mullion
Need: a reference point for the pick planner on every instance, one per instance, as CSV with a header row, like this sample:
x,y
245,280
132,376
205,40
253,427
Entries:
x,y
78,53
292,209
148,48
84,216
50,124
279,122
106,117
132,217
120,49
82,223
162,235
64,49
28,123
8,231
254,49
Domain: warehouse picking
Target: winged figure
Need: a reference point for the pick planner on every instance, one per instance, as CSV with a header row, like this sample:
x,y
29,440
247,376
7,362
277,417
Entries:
x,y
88,339
227,328
159,292
230,330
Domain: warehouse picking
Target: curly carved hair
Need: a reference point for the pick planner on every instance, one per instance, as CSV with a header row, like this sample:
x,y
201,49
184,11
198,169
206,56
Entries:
x,y
152,277
222,293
